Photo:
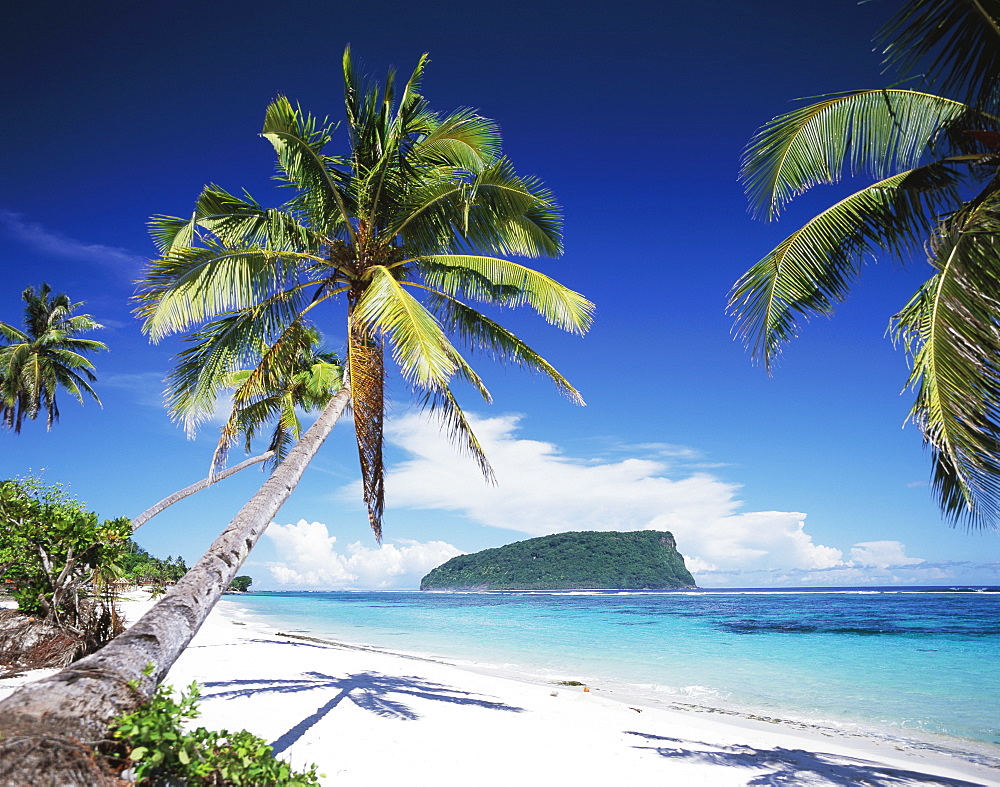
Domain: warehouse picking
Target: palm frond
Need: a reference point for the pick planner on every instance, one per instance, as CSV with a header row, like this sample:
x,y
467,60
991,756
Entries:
x,y
419,346
959,38
506,283
366,376
191,285
219,348
442,405
814,268
462,139
882,132
482,333
298,139
951,330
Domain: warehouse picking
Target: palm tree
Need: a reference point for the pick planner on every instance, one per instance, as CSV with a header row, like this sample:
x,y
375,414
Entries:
x,y
935,162
421,203
314,379
44,357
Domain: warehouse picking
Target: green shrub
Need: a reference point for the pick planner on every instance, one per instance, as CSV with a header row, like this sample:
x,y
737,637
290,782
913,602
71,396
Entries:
x,y
154,743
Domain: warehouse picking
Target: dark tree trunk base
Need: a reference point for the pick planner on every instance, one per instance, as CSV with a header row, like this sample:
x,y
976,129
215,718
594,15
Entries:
x,y
45,760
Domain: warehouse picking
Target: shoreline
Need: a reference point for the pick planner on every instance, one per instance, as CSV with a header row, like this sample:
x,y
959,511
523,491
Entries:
x,y
368,716
559,733
983,753
953,748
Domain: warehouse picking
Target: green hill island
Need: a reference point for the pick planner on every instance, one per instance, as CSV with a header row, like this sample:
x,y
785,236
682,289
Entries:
x,y
640,560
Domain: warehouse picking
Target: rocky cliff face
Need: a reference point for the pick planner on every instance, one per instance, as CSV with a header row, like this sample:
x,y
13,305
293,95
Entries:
x,y
641,560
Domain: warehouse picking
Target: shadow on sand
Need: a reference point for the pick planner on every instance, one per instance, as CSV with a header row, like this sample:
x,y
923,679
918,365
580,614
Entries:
x,y
794,766
371,691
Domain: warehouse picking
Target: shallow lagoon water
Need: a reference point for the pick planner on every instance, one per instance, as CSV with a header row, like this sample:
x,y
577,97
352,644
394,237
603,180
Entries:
x,y
909,662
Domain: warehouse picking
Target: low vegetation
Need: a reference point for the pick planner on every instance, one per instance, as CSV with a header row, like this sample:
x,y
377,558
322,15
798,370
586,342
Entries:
x,y
63,566
58,561
154,744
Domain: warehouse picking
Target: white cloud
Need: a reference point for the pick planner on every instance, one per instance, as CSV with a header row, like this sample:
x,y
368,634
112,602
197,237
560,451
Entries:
x,y
541,491
37,237
308,558
882,554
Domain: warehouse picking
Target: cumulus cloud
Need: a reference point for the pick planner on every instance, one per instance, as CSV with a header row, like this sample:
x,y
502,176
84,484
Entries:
x,y
541,491
308,558
882,554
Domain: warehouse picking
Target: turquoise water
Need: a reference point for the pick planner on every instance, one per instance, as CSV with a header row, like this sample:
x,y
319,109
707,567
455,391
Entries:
x,y
911,663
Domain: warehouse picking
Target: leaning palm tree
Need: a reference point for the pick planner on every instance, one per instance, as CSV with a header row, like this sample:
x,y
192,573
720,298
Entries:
x,y
934,161
44,357
314,379
415,221
401,234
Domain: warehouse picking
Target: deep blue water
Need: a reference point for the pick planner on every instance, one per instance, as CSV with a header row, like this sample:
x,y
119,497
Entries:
x,y
909,661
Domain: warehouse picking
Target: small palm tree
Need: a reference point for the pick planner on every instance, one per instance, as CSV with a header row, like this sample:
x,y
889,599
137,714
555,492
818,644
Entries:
x,y
313,378
44,357
935,161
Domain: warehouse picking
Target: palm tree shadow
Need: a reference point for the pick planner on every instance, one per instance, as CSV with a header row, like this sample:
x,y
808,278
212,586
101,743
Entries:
x,y
794,766
371,691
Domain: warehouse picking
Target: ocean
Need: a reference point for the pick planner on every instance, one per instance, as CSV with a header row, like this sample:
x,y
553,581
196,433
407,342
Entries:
x,y
916,665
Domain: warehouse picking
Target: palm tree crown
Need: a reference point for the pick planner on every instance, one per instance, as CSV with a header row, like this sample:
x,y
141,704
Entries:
x,y
44,357
934,161
315,376
415,221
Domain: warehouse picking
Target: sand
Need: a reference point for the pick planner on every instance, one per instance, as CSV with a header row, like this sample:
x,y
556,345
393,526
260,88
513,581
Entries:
x,y
370,718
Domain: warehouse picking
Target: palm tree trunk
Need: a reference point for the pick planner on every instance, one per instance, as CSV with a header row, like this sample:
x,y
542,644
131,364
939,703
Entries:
x,y
187,491
46,726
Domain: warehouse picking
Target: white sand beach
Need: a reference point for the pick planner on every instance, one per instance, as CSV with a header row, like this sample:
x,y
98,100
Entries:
x,y
371,718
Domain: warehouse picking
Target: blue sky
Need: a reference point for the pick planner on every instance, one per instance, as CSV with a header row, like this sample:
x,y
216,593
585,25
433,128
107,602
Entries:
x,y
635,114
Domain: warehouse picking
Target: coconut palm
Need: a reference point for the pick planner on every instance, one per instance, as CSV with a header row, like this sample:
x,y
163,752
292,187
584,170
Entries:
x,y
413,222
45,357
934,162
402,232
314,379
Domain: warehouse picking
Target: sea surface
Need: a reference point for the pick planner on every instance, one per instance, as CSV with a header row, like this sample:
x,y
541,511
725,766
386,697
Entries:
x,y
917,664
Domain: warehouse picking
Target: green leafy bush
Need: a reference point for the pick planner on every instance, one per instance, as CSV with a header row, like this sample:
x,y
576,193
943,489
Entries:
x,y
53,552
152,742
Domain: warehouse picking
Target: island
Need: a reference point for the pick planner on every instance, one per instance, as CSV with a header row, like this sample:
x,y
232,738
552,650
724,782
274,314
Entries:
x,y
594,560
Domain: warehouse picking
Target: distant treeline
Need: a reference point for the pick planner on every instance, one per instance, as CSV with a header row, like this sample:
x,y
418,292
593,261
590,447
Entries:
x,y
642,560
137,564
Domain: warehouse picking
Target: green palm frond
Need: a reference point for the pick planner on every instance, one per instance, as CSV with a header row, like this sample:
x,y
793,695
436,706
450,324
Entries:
x,y
513,214
881,132
815,266
419,346
483,334
960,38
298,139
507,283
442,405
217,350
951,329
191,285
462,139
